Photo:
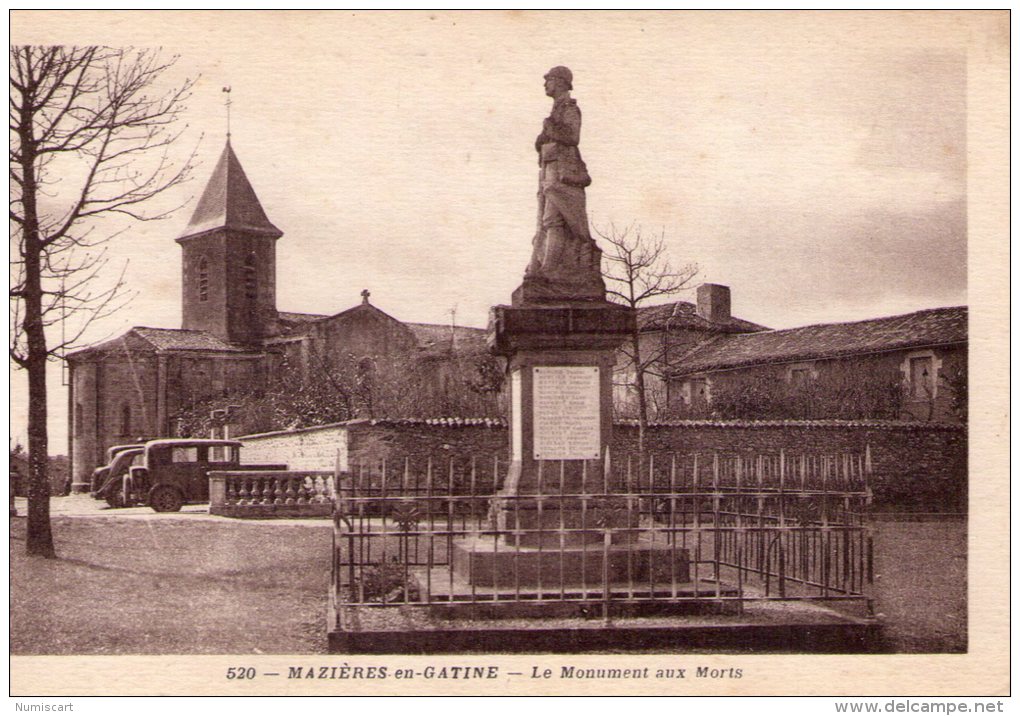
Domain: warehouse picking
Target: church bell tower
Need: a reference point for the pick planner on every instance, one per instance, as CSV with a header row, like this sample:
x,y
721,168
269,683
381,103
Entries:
x,y
229,262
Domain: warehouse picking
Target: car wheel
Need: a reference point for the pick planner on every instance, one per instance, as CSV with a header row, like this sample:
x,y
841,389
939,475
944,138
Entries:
x,y
165,499
115,499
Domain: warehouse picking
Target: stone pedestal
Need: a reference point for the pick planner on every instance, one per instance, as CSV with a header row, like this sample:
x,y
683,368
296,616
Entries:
x,y
506,567
555,497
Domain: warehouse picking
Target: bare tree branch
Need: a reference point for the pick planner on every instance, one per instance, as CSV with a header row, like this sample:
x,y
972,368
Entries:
x,y
85,124
637,269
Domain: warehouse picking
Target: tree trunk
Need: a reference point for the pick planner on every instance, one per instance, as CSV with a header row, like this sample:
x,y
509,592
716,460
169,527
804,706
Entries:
x,y
39,537
639,387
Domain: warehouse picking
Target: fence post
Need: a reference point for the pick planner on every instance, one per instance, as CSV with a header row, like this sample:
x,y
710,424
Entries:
x,y
217,493
782,524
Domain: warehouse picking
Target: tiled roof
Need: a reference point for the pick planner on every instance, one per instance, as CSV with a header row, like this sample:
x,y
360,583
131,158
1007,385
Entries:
x,y
229,202
935,326
454,422
178,339
683,314
450,422
291,317
877,424
289,322
143,338
433,337
446,422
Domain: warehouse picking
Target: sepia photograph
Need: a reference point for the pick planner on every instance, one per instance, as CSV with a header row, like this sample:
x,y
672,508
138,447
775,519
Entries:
x,y
508,352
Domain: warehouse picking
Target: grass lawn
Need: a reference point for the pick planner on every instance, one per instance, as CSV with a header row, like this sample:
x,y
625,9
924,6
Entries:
x,y
190,584
171,586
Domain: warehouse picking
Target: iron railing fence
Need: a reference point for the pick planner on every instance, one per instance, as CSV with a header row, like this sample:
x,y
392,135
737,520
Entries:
x,y
672,529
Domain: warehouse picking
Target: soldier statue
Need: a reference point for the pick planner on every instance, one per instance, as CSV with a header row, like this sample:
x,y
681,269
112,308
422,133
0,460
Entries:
x,y
565,261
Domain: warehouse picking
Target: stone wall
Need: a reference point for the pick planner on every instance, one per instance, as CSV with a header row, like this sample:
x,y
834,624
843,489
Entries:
x,y
316,448
915,466
919,467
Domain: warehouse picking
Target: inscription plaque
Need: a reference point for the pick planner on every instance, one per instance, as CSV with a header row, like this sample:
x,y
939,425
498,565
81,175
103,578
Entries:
x,y
567,418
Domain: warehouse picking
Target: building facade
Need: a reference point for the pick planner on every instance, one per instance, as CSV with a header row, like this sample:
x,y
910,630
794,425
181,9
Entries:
x,y
906,367
232,337
666,333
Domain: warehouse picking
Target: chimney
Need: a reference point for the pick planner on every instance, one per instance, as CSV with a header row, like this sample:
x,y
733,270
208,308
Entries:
x,y
714,302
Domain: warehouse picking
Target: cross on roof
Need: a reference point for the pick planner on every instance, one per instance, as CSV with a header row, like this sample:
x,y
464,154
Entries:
x,y
227,90
364,295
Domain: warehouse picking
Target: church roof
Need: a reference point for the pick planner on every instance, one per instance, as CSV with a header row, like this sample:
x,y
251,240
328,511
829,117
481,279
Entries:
x,y
438,338
935,326
179,339
229,202
143,338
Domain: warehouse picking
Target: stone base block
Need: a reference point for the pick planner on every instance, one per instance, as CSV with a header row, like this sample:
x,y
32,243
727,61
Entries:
x,y
541,526
262,512
483,562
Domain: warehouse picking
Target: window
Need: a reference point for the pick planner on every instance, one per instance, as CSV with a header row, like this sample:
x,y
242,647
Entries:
x,y
125,419
184,454
920,371
79,420
699,392
922,385
203,280
222,453
250,278
799,375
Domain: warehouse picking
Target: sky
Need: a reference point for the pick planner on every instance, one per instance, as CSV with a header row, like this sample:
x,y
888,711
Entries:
x,y
815,163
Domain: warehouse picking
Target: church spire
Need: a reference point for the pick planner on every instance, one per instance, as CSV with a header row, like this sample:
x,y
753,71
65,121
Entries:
x,y
229,202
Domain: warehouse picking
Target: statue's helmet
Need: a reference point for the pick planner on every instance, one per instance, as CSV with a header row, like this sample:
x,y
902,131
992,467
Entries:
x,y
562,73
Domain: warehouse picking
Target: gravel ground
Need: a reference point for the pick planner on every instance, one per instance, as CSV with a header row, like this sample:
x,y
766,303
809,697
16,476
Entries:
x,y
134,582
921,584
172,585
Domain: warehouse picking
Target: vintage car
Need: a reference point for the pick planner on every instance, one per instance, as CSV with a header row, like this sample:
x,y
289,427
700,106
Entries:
x,y
174,472
108,480
101,473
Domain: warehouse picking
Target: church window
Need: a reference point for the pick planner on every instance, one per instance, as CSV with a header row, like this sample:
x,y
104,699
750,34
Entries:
x,y
79,419
203,280
125,419
250,278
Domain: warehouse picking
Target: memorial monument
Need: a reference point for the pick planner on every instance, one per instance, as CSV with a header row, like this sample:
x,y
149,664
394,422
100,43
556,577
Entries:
x,y
572,553
557,519
565,261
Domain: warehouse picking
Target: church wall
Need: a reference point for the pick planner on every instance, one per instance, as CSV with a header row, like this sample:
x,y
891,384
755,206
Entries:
x,y
115,396
129,389
246,322
194,378
83,421
209,315
228,311
363,333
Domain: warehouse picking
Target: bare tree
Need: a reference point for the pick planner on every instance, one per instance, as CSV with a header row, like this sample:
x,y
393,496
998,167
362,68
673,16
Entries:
x,y
90,134
637,270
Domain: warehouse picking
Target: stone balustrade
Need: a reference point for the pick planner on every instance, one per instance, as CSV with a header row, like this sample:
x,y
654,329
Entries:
x,y
271,493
